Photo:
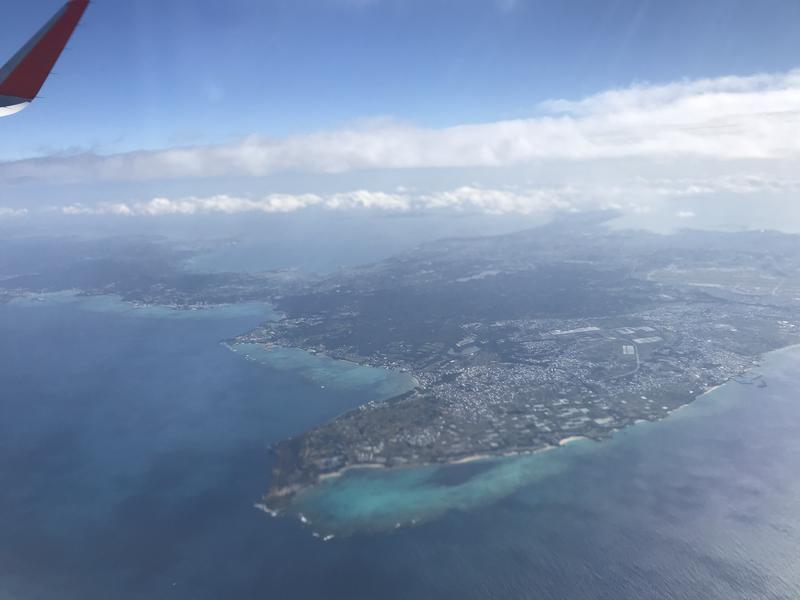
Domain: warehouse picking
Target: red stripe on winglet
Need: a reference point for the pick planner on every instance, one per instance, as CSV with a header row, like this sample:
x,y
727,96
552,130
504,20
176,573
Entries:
x,y
29,76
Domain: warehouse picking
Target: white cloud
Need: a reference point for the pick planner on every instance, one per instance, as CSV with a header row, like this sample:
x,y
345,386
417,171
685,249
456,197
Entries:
x,y
6,212
723,119
686,214
192,206
464,198
502,201
365,199
226,204
637,195
740,184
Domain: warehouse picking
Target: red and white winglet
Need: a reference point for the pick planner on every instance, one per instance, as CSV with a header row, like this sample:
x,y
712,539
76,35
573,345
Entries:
x,y
23,76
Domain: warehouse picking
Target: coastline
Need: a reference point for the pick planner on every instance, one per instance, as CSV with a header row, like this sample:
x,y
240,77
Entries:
x,y
342,471
571,439
290,491
470,459
715,387
324,369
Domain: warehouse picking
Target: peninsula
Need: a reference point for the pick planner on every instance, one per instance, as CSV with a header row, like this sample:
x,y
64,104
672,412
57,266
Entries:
x,y
523,342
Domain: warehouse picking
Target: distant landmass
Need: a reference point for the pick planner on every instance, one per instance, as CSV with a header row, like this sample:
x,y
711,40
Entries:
x,y
516,343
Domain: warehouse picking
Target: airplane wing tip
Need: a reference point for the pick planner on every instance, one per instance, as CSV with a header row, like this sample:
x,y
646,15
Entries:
x,y
12,109
23,76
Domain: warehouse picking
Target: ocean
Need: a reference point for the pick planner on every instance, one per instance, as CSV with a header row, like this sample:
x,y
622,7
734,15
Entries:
x,y
134,445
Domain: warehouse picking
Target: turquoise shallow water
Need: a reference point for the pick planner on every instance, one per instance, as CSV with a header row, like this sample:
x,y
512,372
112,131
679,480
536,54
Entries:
x,y
327,372
372,501
115,304
133,449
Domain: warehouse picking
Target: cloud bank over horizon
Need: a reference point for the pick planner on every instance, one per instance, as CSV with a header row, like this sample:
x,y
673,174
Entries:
x,y
754,117
638,195
748,127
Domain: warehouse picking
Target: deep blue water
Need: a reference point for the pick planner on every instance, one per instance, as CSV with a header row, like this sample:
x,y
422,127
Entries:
x,y
132,449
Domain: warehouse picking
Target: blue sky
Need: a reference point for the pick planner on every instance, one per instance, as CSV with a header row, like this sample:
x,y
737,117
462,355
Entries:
x,y
400,97
148,73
